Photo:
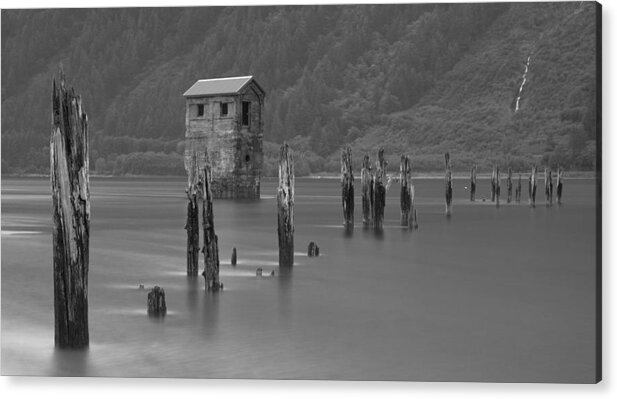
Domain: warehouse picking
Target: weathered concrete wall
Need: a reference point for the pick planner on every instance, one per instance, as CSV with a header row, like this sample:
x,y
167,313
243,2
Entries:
x,y
235,151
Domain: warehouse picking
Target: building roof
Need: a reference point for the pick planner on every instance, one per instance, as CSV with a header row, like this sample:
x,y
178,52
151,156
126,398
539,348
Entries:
x,y
220,86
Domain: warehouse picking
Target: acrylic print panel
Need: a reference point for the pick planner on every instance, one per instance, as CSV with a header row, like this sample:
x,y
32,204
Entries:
x,y
325,258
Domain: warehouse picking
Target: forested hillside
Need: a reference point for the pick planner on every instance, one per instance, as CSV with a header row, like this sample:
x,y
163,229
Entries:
x,y
421,78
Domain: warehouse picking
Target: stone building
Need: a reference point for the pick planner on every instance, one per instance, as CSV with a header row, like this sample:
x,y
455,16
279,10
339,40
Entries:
x,y
226,116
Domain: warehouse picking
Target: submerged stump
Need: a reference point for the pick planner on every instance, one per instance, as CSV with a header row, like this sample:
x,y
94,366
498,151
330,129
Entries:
x,y
70,188
366,177
156,302
448,181
285,203
234,257
347,188
313,249
211,243
379,191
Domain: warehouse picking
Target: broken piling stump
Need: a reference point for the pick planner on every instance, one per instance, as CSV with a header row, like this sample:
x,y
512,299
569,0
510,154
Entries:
x,y
532,187
407,210
379,191
559,184
366,177
509,185
313,249
234,257
259,271
517,194
448,180
548,186
156,302
70,188
285,202
211,243
472,185
347,188
194,194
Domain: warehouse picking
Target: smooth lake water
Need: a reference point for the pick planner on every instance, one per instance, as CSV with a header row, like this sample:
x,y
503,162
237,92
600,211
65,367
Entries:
x,y
490,294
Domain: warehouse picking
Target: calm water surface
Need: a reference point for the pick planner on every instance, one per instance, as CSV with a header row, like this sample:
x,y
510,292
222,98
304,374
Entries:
x,y
490,294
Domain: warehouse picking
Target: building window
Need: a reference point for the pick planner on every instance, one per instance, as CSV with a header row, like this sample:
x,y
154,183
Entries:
x,y
246,112
224,109
200,110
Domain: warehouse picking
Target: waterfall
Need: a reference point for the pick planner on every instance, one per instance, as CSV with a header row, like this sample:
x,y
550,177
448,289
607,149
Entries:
x,y
520,89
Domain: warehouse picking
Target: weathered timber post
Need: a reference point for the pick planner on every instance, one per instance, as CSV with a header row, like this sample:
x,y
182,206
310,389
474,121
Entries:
x,y
517,194
559,184
156,302
548,186
532,187
194,194
366,177
379,191
493,184
347,188
285,202
234,257
448,180
407,209
313,249
472,185
70,187
497,186
509,185
211,242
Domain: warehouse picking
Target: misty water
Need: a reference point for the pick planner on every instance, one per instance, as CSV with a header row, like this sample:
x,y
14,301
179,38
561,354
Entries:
x,y
490,294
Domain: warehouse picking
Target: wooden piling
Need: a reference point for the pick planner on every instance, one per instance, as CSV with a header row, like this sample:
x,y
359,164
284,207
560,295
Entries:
x,y
366,177
509,185
347,188
194,194
379,191
497,186
532,186
407,192
548,186
559,184
70,186
517,194
211,243
472,185
493,188
234,257
313,249
285,202
448,179
156,302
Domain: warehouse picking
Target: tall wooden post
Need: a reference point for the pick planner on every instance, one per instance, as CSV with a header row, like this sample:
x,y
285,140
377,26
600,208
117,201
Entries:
x,y
472,186
532,187
285,202
509,185
379,191
70,187
366,177
347,188
497,186
194,194
407,208
448,180
559,184
518,189
548,186
211,242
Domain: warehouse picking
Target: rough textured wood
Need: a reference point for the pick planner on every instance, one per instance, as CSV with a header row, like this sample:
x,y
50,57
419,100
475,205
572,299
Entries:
x,y
234,257
497,186
548,186
472,183
366,177
285,202
518,189
379,191
70,187
448,180
559,184
347,188
509,185
194,194
533,183
156,302
407,193
211,242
